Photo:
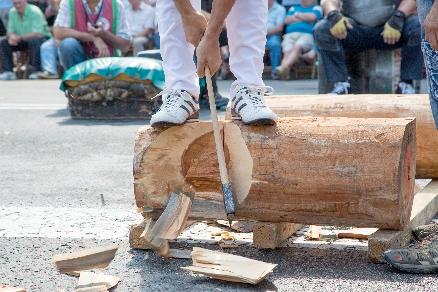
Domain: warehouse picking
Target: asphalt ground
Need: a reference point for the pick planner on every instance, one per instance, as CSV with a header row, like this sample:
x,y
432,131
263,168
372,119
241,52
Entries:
x,y
67,184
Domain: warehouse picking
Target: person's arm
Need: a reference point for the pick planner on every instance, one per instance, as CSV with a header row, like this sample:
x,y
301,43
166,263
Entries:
x,y
330,5
408,7
194,22
431,26
61,33
278,29
208,51
31,35
291,19
114,40
307,17
394,26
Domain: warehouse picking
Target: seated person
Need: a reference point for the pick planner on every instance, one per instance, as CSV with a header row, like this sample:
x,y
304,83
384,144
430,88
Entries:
x,y
87,29
27,30
141,22
363,25
298,39
276,16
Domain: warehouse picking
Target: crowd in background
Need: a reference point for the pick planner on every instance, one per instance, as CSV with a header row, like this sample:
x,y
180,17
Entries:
x,y
31,27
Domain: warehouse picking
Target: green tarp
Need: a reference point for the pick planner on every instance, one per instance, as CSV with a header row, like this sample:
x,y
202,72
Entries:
x,y
109,68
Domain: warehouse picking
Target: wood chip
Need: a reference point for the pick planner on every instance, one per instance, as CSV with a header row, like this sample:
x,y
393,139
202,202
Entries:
x,y
5,288
87,259
356,233
239,226
314,232
228,267
95,282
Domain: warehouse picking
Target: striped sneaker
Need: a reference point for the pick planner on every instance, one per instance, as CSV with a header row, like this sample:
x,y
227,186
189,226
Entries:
x,y
248,104
178,107
415,260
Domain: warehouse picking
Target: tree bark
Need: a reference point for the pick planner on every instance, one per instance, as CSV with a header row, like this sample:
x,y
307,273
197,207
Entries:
x,y
339,171
370,106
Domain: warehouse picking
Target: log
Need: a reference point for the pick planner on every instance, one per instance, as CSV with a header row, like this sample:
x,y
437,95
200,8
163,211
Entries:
x,y
336,171
370,106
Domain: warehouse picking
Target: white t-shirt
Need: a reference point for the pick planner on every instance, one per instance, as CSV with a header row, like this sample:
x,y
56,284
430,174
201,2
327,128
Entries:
x,y
141,19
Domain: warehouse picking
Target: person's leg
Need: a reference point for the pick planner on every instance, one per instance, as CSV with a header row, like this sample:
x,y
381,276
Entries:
x,y
246,29
138,44
177,53
49,57
6,55
430,58
331,53
34,45
412,60
71,53
273,44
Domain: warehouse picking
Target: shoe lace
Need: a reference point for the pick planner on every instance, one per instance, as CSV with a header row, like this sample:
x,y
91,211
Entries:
x,y
256,93
170,97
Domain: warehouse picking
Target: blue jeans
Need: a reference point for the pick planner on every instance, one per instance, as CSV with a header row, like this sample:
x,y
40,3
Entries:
x,y
430,59
273,44
71,53
362,38
49,56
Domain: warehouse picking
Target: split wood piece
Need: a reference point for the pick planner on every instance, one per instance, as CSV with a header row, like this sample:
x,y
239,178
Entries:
x,y
271,235
95,282
424,208
170,224
369,106
314,232
356,233
228,267
87,259
341,171
5,288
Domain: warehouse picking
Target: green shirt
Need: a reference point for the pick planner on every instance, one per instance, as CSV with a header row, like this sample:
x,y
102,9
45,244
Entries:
x,y
33,20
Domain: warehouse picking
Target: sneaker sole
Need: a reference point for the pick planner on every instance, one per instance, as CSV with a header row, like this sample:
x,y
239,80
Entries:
x,y
258,122
192,119
412,269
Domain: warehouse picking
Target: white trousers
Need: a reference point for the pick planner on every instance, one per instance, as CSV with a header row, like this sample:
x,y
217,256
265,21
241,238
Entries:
x,y
246,30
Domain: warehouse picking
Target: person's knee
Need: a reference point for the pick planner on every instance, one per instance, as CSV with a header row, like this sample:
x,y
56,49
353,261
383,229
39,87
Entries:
x,y
323,38
412,31
69,45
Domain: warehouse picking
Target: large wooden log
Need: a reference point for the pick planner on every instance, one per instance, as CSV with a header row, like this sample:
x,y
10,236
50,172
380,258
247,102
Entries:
x,y
356,172
371,106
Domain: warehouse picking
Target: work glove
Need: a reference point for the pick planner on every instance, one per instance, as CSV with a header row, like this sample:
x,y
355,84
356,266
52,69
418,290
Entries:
x,y
393,28
338,24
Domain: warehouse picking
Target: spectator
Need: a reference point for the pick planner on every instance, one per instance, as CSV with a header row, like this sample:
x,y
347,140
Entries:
x,y
88,30
276,16
428,15
361,29
298,39
141,22
5,6
27,30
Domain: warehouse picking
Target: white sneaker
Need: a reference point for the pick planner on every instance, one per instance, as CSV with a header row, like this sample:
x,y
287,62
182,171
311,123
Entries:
x,y
341,88
248,103
178,106
405,88
8,76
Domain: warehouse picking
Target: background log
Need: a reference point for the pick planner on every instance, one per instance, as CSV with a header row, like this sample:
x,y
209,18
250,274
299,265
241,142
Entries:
x,y
370,106
339,171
